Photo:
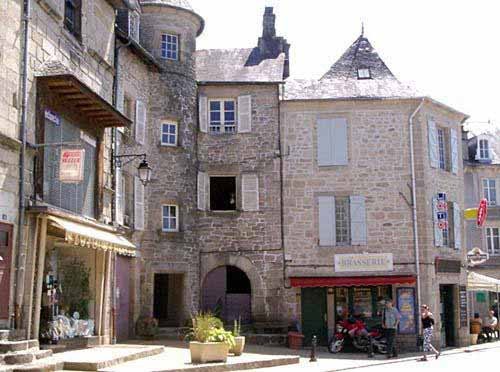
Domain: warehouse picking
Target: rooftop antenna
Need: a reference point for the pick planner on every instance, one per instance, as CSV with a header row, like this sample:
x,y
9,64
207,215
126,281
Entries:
x,y
362,28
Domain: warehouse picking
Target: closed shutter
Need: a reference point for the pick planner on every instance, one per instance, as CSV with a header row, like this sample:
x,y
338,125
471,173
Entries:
x,y
326,220
250,192
203,113
438,234
457,226
120,106
118,187
140,122
454,151
433,144
358,220
138,204
332,141
244,114
202,190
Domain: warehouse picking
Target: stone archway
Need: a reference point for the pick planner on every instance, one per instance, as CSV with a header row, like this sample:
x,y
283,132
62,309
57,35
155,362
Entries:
x,y
213,262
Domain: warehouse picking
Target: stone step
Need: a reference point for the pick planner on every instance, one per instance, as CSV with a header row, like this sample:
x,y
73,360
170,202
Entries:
x,y
4,335
18,358
13,346
44,365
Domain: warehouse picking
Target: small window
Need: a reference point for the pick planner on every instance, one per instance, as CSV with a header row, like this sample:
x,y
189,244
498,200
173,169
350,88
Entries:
x,y
73,17
448,237
170,47
170,218
493,240
364,73
484,150
222,193
222,116
490,191
342,221
169,134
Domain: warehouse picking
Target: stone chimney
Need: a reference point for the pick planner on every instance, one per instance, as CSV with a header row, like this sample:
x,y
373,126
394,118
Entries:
x,y
270,45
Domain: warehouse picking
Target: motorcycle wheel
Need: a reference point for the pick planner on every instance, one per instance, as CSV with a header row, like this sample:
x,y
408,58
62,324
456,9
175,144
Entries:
x,y
381,348
335,345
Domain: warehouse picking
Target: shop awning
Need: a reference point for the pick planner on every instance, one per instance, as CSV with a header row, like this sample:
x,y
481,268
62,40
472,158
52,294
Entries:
x,y
351,281
81,235
478,282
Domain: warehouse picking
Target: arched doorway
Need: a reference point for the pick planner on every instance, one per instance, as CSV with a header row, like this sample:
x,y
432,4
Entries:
x,y
227,292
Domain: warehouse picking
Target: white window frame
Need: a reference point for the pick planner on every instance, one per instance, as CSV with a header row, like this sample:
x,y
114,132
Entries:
x,y
165,44
176,217
483,150
340,239
491,234
442,154
364,73
223,124
162,133
489,185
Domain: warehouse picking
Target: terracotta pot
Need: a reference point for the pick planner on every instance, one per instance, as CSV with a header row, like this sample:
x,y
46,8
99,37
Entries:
x,y
205,352
237,350
295,340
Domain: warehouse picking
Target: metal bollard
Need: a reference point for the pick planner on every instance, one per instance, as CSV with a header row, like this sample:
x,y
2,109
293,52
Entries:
x,y
370,347
314,342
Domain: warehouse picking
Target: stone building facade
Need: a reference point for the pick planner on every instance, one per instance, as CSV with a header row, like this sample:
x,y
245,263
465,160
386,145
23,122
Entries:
x,y
348,217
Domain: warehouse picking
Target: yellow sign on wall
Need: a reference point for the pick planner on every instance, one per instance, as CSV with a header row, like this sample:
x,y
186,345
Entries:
x,y
470,213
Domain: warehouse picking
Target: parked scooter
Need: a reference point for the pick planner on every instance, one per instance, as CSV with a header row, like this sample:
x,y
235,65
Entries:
x,y
354,331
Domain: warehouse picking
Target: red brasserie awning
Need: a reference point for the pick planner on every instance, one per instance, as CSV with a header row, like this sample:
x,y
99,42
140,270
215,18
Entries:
x,y
333,281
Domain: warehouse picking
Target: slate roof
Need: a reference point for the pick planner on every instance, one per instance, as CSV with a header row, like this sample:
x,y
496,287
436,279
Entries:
x,y
341,80
238,65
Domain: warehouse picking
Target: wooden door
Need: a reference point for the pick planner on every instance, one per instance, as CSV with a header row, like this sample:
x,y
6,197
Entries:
x,y
5,262
123,297
314,315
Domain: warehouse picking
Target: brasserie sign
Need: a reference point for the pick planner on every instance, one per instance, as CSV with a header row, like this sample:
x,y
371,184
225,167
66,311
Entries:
x,y
363,262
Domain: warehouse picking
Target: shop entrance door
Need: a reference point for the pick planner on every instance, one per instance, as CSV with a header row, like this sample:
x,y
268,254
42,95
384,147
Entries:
x,y
447,315
122,297
314,315
6,254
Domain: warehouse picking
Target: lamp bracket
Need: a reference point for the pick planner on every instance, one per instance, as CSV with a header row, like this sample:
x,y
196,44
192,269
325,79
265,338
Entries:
x,y
131,157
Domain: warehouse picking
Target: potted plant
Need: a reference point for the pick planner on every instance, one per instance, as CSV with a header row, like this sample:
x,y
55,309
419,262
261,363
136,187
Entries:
x,y
147,327
209,342
239,340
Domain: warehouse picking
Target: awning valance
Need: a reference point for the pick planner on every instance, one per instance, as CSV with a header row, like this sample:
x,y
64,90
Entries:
x,y
478,282
81,235
351,281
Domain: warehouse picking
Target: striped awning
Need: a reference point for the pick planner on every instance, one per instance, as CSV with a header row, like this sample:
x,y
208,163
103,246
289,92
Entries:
x,y
85,236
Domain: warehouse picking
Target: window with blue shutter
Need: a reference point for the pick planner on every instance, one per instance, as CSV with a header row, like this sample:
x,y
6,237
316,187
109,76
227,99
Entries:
x,y
358,220
332,141
326,220
454,151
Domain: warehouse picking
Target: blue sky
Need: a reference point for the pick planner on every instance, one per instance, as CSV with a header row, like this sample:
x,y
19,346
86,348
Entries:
x,y
446,49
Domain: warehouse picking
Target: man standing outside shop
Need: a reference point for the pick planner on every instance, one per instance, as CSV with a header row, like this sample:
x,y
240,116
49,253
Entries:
x,y
390,322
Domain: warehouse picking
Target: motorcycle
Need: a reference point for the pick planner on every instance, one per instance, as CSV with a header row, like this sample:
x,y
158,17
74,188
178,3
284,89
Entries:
x,y
354,330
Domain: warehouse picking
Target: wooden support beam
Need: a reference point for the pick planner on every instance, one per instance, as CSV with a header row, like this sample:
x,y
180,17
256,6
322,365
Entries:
x,y
39,279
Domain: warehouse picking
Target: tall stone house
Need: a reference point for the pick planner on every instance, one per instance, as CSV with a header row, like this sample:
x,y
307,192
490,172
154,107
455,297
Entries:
x,y
482,181
272,200
356,143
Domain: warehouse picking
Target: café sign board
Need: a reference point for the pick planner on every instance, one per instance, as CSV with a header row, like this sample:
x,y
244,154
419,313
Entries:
x,y
476,256
363,262
71,165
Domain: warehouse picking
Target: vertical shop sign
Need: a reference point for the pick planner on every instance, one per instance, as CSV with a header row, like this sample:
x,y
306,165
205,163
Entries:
x,y
463,306
406,307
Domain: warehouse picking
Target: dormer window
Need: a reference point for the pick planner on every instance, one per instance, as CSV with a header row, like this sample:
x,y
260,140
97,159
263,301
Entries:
x,y
364,73
484,150
170,46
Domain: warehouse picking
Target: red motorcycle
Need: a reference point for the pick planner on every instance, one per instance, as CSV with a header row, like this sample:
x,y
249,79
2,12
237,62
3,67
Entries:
x,y
354,331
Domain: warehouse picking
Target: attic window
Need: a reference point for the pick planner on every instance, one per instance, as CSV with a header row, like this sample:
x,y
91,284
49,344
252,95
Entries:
x,y
364,73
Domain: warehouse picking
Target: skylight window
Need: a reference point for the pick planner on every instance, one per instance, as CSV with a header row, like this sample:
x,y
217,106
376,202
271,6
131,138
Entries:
x,y
364,73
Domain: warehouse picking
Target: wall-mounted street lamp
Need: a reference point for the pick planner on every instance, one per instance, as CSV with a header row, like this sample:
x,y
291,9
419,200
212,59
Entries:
x,y
143,170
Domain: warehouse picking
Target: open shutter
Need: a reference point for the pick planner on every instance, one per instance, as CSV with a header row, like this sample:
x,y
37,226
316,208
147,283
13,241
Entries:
x,y
250,192
203,113
433,144
202,190
140,122
244,114
138,204
326,220
438,234
118,187
332,141
457,226
358,220
454,151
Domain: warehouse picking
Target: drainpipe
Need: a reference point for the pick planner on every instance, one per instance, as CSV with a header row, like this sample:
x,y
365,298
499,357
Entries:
x,y
414,206
21,251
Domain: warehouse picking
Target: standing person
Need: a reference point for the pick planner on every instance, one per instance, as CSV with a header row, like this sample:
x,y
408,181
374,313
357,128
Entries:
x,y
428,327
490,324
390,322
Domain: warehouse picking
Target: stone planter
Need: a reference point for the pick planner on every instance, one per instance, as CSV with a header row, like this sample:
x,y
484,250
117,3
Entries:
x,y
205,352
295,340
237,350
473,339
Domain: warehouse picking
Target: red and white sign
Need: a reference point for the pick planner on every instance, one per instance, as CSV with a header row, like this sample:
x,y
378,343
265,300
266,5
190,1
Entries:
x,y
71,166
443,225
482,212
